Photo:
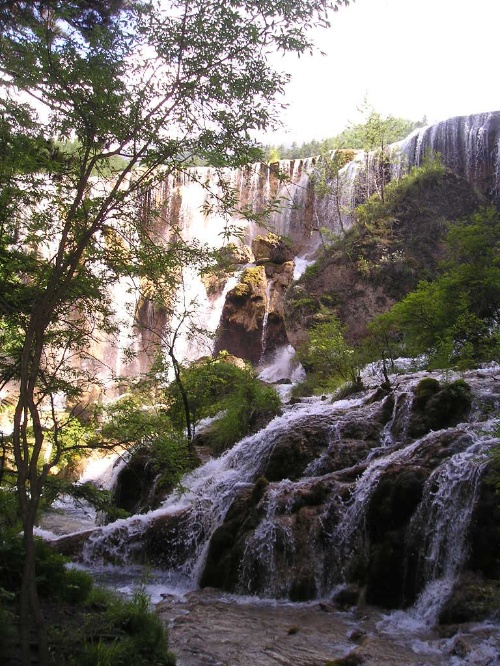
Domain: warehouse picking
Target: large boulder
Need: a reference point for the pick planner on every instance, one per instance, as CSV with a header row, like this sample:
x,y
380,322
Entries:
x,y
437,405
273,248
280,277
242,320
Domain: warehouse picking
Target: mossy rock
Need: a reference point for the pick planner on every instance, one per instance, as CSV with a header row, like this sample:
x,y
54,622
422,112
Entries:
x,y
438,406
473,599
272,248
424,390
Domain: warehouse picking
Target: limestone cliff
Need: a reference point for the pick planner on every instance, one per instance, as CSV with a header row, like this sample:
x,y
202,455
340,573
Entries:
x,y
252,321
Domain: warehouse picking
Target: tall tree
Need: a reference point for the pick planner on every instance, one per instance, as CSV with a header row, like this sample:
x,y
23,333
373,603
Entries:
x,y
151,83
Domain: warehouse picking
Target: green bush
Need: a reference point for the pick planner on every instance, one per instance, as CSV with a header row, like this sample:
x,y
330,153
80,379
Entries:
x,y
327,355
76,587
245,410
218,386
454,319
426,388
123,633
54,579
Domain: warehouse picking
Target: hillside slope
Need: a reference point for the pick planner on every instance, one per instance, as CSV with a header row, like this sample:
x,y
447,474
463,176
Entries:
x,y
392,246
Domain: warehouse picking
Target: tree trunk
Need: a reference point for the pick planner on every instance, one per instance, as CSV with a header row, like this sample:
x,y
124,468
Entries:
x,y
184,396
29,603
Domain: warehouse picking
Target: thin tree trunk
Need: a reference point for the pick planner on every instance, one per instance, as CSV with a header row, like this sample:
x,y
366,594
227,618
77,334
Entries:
x,y
30,605
185,400
27,451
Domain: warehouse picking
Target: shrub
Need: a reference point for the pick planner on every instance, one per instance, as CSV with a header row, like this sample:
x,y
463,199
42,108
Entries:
x,y
218,386
54,579
124,633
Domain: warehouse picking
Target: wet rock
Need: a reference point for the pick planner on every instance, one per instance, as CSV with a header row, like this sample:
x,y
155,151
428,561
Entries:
x,y
279,278
207,629
237,254
312,441
437,406
473,599
461,648
272,248
347,597
295,450
357,635
242,320
228,541
484,530
71,545
162,543
352,659
134,483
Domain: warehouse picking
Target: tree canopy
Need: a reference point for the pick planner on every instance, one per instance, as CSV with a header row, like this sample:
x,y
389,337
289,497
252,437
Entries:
x,y
154,84
454,319
374,130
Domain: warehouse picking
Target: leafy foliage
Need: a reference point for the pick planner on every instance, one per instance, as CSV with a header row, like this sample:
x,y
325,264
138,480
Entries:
x,y
454,319
138,90
123,633
328,357
219,387
353,137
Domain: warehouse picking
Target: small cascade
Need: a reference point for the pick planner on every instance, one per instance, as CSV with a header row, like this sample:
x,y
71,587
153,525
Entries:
x,y
261,566
301,263
349,540
265,320
200,507
103,472
68,514
396,428
439,527
283,370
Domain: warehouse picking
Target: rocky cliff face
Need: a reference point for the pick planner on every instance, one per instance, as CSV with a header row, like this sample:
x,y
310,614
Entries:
x,y
186,203
252,321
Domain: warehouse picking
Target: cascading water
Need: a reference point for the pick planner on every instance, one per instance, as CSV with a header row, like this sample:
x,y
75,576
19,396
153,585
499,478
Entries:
x,y
469,145
204,500
266,319
310,535
439,526
68,513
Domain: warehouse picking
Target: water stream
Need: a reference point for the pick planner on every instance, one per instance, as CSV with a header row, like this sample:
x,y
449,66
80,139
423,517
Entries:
x,y
188,518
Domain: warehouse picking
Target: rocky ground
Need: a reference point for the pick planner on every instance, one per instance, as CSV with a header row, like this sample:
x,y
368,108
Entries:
x,y
207,629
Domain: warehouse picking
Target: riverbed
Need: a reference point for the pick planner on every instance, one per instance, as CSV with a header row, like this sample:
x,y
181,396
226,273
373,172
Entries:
x,y
208,628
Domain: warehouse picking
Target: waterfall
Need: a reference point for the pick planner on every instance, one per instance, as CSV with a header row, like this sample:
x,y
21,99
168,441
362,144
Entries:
x,y
205,496
187,203
358,480
266,319
440,525
469,146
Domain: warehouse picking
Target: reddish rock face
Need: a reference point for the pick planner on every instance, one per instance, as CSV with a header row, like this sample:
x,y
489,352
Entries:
x,y
252,322
242,320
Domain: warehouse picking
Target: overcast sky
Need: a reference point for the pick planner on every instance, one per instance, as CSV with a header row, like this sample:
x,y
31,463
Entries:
x,y
438,58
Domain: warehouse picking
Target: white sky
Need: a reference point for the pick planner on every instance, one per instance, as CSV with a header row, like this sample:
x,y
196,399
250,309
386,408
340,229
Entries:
x,y
411,58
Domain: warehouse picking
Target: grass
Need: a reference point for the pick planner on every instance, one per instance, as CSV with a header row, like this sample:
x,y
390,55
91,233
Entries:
x,y
86,626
